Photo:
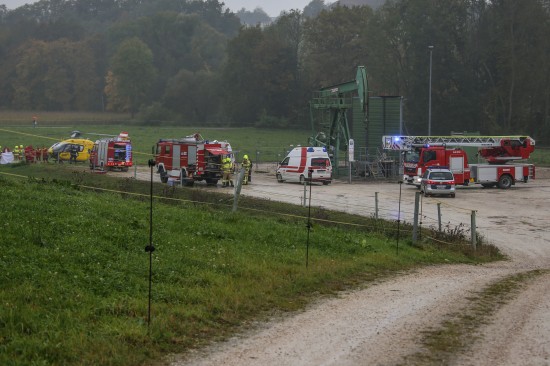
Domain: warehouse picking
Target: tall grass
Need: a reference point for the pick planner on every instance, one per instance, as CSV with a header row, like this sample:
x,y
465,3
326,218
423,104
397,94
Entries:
x,y
74,279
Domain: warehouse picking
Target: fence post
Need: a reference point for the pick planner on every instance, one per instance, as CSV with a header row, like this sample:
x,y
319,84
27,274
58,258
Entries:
x,y
473,230
415,225
376,205
439,215
238,185
305,195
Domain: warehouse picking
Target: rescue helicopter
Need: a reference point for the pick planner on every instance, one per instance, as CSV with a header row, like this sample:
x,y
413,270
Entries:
x,y
61,151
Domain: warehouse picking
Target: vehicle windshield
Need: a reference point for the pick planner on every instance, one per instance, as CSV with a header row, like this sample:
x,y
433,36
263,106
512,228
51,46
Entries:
x,y
441,176
412,157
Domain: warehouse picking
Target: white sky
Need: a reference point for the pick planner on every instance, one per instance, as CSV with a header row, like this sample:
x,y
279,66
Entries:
x,y
272,7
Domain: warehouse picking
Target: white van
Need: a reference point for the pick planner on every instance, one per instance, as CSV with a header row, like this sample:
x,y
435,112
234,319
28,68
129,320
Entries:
x,y
303,161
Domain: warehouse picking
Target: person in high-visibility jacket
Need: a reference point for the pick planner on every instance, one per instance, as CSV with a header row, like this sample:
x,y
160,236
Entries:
x,y
16,152
226,170
247,165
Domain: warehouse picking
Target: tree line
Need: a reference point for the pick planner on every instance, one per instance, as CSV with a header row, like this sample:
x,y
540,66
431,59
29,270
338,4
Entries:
x,y
193,62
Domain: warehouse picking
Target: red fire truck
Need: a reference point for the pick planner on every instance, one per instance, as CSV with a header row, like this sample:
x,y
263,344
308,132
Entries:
x,y
191,159
112,153
422,152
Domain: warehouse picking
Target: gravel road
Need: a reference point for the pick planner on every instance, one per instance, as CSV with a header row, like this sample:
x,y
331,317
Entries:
x,y
383,323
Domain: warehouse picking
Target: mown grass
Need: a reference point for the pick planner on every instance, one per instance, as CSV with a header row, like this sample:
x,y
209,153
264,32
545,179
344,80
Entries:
x,y
74,278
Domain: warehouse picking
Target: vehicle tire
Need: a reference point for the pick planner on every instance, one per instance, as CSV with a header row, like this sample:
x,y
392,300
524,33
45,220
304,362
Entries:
x,y
279,178
326,182
302,180
160,169
453,195
505,181
164,178
188,182
125,169
211,182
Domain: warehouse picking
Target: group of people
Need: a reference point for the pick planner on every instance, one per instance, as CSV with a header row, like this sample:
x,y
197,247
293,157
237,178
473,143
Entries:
x,y
228,168
28,153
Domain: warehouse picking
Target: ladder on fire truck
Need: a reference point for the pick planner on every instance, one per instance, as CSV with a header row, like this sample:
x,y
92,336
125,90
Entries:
x,y
494,149
409,142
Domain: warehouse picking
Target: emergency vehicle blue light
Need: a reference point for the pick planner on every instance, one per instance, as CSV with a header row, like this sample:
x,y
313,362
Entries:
x,y
310,149
396,138
324,149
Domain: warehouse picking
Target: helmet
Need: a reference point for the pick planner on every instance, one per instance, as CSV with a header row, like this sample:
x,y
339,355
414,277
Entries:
x,y
245,157
20,146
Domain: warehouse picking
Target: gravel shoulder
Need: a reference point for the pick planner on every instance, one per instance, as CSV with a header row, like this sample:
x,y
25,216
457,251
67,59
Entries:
x,y
384,322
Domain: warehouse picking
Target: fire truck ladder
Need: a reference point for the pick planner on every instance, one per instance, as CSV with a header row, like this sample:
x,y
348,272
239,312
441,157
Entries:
x,y
409,142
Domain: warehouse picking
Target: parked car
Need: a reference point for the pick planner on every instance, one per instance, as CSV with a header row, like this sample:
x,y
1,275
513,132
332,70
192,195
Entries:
x,y
438,181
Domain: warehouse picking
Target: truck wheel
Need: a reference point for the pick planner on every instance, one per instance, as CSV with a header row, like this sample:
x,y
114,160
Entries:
x,y
302,180
326,182
505,181
279,178
211,182
487,185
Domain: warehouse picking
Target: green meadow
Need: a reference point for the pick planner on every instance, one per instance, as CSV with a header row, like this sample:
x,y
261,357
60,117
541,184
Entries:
x,y
261,145
74,283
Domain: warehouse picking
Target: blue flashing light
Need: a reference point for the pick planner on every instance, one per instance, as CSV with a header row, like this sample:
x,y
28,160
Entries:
x,y
310,149
324,149
396,138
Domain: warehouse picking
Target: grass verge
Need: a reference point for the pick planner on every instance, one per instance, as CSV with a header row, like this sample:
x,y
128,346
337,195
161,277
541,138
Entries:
x,y
74,283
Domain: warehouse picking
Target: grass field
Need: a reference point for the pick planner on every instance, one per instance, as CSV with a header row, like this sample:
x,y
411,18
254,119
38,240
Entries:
x,y
74,279
259,144
262,145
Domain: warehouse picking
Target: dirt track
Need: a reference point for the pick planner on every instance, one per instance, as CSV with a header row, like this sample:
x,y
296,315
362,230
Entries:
x,y
382,324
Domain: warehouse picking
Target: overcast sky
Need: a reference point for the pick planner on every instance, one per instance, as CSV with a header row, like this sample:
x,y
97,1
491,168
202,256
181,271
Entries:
x,y
272,7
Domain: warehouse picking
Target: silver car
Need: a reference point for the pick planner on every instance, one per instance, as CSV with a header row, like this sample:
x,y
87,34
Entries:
x,y
438,181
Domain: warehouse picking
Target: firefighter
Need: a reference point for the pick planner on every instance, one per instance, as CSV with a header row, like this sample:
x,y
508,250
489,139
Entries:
x,y
247,165
16,153
74,154
226,170
231,165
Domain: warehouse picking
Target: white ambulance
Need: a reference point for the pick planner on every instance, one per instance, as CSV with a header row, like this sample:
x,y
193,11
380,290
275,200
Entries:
x,y
305,164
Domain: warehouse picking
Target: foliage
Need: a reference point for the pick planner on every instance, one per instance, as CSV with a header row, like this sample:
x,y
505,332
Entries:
x,y
57,75
489,61
132,75
74,288
253,18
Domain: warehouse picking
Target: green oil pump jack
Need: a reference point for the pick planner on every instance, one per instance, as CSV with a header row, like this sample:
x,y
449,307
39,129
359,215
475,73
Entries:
x,y
332,104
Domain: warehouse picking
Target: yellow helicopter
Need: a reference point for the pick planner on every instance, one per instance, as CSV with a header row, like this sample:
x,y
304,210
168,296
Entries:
x,y
61,151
